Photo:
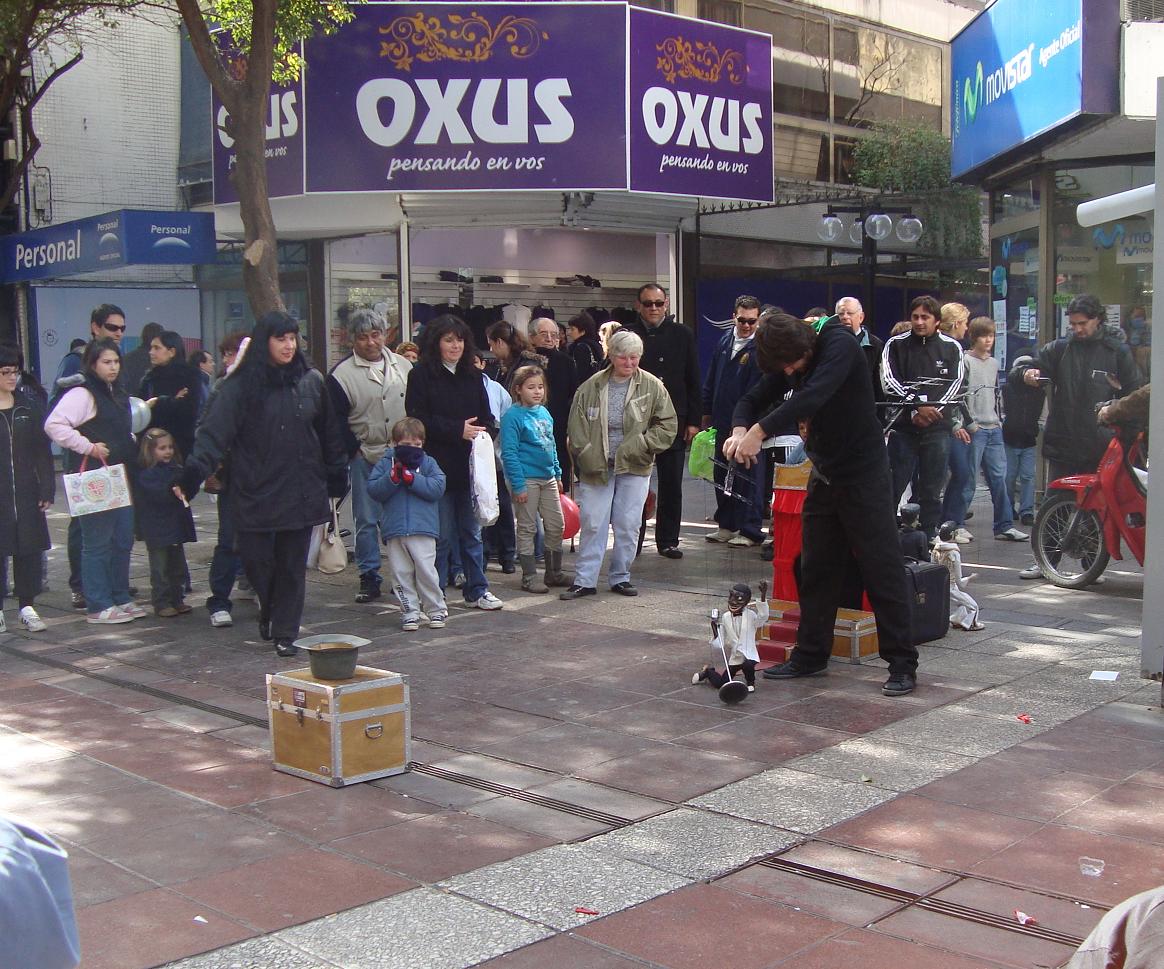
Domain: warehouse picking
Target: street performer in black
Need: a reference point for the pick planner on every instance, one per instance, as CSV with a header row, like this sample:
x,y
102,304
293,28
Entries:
x,y
849,507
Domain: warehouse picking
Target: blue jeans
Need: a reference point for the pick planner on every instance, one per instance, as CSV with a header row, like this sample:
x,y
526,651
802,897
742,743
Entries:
x,y
927,452
987,452
459,527
225,564
1020,474
366,516
954,503
618,504
106,541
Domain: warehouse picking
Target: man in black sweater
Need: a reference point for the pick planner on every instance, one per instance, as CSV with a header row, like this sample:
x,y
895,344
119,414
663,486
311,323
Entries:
x,y
669,354
849,509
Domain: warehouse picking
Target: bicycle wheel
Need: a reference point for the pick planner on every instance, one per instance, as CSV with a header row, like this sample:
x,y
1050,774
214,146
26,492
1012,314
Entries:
x,y
1068,561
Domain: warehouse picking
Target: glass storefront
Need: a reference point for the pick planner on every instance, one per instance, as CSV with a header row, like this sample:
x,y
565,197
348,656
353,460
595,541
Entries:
x,y
362,274
1014,268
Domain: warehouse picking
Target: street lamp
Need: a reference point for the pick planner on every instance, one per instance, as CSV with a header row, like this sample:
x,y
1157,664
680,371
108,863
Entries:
x,y
870,226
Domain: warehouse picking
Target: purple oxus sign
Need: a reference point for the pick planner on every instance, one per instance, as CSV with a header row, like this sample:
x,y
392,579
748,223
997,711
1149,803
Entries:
x,y
700,108
439,97
284,137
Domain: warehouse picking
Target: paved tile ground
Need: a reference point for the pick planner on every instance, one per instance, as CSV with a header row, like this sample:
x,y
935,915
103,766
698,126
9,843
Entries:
x,y
618,816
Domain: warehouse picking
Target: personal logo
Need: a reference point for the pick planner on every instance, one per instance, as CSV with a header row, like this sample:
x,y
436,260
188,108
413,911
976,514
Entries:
x,y
972,95
1106,240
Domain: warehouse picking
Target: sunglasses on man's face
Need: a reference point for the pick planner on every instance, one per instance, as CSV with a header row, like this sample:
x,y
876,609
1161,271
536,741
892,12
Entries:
x,y
746,321
654,303
113,327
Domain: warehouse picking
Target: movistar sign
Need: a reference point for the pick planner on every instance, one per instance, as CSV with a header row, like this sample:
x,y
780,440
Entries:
x,y
1021,68
122,238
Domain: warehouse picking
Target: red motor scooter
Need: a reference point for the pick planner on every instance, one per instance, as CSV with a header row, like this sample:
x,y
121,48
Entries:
x,y
1086,516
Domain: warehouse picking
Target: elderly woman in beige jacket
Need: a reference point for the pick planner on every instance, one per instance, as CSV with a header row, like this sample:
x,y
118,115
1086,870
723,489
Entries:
x,y
621,418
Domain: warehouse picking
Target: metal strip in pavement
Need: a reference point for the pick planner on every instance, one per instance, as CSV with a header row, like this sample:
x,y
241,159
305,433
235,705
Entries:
x,y
456,777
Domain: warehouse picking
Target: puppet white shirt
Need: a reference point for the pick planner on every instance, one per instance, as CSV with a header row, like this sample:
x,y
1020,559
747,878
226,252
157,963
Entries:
x,y
737,634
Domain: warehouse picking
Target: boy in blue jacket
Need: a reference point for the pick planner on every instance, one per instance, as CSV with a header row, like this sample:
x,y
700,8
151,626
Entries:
x,y
409,484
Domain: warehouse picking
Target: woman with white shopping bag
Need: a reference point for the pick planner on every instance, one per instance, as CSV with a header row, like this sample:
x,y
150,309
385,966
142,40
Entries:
x,y
93,420
446,394
274,416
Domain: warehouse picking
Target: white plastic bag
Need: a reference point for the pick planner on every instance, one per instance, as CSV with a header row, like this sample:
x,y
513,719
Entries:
x,y
483,478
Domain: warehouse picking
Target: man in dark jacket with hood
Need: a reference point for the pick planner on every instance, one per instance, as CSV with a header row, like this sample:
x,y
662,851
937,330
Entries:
x,y
923,372
732,373
849,509
669,354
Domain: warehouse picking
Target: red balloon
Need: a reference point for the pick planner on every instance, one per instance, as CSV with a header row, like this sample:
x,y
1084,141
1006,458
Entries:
x,y
571,516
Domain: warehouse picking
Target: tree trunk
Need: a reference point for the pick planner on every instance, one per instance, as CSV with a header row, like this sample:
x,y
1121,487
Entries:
x,y
260,256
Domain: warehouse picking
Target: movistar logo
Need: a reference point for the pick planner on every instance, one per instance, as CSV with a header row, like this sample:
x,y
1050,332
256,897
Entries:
x,y
972,96
1105,240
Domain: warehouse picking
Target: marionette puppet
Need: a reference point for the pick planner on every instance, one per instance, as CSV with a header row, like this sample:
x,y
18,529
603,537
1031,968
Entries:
x,y
733,640
914,544
963,608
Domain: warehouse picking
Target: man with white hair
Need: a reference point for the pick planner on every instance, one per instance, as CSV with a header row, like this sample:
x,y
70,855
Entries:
x,y
368,390
852,314
561,383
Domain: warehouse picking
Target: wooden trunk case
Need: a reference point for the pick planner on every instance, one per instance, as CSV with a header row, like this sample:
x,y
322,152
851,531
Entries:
x,y
340,732
854,633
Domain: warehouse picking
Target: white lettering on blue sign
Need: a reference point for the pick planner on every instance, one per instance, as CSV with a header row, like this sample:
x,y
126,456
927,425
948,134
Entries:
x,y
48,253
443,107
720,129
1010,75
282,119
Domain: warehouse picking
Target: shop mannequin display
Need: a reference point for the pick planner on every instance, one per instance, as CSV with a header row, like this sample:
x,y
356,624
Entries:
x,y
964,609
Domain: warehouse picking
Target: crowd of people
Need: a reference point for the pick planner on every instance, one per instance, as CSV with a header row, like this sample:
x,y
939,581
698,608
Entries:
x,y
280,443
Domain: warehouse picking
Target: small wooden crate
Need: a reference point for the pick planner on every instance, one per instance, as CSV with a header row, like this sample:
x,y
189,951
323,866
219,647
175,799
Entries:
x,y
854,633
794,476
340,732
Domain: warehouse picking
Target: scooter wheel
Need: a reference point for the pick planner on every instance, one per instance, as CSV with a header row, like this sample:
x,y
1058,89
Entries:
x,y
1068,542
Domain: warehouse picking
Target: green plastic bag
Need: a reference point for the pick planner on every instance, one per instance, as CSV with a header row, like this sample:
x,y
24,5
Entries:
x,y
702,453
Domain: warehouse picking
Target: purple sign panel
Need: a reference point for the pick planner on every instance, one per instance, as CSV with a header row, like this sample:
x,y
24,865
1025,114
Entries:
x,y
430,97
284,135
700,108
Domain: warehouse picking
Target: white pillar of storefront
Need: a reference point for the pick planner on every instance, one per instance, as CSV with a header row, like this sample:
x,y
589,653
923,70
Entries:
x,y
404,274
1152,630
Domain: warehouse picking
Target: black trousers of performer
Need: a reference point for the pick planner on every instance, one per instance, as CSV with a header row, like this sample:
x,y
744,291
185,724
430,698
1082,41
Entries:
x,y
860,517
669,506
276,566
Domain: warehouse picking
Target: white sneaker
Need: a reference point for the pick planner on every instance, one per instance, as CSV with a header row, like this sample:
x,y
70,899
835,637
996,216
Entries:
x,y
488,602
133,610
742,541
438,621
108,617
3,624
31,621
963,537
1012,534
221,618
409,625
1031,572
722,535
244,590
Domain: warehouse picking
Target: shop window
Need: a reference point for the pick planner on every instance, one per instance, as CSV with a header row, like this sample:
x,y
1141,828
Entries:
x,y
721,11
843,162
666,6
794,32
801,154
890,73
1016,199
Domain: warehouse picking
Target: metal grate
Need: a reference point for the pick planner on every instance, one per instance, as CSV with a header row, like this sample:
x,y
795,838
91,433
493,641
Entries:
x,y
1141,10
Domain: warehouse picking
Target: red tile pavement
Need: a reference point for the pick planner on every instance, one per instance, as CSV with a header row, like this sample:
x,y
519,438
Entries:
x,y
96,880
671,773
850,862
1129,810
292,888
234,785
1052,912
931,833
809,895
326,813
1088,748
765,739
705,925
151,928
844,711
562,952
871,950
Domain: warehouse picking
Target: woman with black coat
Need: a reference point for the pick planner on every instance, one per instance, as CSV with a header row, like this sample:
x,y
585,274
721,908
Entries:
x,y
275,418
446,393
584,348
174,387
27,485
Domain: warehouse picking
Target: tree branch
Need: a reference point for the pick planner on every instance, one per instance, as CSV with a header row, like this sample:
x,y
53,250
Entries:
x,y
207,52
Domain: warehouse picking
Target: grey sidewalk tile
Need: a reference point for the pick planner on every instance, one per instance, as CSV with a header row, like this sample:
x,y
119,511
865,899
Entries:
x,y
794,800
958,732
265,952
547,886
694,843
421,929
891,766
981,667
1047,712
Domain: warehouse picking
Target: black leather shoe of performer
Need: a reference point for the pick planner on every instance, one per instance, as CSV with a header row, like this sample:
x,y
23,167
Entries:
x,y
624,589
265,630
790,671
899,684
674,552
285,647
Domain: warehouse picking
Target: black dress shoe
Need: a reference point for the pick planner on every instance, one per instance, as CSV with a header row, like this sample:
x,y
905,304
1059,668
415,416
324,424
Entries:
x,y
671,552
578,591
790,671
624,589
265,630
899,684
78,600
285,647
508,568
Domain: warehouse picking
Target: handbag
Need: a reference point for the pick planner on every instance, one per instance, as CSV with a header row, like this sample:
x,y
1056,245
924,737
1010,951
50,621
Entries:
x,y
102,489
333,557
483,480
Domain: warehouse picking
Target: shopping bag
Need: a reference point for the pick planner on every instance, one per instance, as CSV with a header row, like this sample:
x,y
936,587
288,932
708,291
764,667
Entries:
x,y
483,479
101,489
333,557
702,453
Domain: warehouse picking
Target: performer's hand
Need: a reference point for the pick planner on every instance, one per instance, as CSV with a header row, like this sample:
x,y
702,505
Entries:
x,y
925,416
1031,377
745,447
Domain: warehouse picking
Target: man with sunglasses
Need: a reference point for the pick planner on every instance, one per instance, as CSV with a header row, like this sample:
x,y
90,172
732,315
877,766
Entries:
x,y
669,354
106,322
732,373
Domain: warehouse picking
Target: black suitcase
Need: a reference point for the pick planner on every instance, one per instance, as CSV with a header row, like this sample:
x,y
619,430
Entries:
x,y
928,587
